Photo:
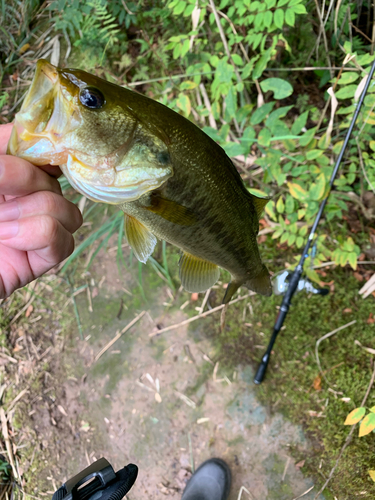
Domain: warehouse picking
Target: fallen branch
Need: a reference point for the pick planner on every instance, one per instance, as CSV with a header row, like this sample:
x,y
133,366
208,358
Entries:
x,y
203,315
116,337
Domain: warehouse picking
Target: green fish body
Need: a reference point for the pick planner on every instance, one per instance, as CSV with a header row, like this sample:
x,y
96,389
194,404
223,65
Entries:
x,y
172,181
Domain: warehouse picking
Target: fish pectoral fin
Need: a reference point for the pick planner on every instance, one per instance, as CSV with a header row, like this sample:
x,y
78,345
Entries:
x,y
171,211
197,275
261,283
139,238
259,204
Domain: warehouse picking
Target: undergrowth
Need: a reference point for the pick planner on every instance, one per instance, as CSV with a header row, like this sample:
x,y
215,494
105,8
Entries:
x,y
294,384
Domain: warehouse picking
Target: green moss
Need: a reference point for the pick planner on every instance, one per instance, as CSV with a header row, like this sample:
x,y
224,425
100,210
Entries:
x,y
288,386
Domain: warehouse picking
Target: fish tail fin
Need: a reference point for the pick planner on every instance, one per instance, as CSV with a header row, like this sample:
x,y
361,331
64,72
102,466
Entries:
x,y
261,283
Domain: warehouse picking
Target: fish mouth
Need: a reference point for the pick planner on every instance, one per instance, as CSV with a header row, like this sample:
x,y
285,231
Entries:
x,y
48,114
45,131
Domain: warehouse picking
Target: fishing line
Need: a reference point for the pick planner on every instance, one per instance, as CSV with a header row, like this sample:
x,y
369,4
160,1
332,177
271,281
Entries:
x,y
297,273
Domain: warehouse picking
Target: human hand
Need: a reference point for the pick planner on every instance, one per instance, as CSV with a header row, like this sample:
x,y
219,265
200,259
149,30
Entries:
x,y
36,221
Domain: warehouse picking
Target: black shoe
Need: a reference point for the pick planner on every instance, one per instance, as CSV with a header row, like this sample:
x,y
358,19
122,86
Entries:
x,y
211,481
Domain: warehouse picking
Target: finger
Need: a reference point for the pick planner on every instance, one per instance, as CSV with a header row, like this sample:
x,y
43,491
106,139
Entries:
x,y
51,170
41,233
18,177
5,131
41,203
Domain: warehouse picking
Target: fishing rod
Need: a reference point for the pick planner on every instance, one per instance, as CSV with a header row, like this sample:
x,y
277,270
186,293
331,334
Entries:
x,y
297,273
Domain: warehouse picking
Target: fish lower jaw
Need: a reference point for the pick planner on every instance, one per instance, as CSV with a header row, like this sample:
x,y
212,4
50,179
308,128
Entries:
x,y
101,187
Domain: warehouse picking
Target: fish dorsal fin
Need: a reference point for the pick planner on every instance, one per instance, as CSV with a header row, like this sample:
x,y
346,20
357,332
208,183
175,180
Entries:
x,y
171,211
139,238
197,275
259,204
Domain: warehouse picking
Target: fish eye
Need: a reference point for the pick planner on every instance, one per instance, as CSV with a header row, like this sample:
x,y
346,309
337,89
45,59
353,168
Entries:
x,y
91,98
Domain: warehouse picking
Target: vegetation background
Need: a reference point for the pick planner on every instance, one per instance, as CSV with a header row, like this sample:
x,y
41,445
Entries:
x,y
275,83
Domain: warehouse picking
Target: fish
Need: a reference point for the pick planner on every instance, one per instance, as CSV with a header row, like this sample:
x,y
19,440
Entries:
x,y
172,181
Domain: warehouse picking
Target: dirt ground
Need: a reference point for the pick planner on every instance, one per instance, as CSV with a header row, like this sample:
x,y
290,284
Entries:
x,y
158,401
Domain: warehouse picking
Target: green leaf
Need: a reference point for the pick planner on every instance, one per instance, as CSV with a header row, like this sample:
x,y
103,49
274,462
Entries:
x,y
367,425
278,18
313,154
231,102
290,17
179,8
267,19
260,114
262,63
297,191
352,258
299,123
299,241
317,189
270,3
280,88
348,77
299,9
280,205
346,92
307,137
234,149
289,204
183,102
237,60
264,137
282,2
188,85
291,239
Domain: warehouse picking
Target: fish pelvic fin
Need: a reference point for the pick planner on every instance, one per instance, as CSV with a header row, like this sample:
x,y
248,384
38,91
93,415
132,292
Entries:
x,y
232,288
261,283
139,238
197,275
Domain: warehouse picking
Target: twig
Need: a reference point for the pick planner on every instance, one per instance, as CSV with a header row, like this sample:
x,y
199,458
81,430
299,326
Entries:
x,y
304,493
324,37
116,337
223,39
348,439
362,166
203,315
332,263
4,428
16,399
207,103
326,336
201,309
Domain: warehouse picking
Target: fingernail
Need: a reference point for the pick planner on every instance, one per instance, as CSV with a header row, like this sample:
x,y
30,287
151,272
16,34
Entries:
x,y
8,230
9,211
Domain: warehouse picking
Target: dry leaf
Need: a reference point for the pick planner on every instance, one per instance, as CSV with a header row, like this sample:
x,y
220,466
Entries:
x,y
317,383
29,310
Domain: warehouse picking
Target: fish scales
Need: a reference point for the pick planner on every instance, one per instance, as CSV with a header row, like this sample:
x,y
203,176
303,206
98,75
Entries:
x,y
171,180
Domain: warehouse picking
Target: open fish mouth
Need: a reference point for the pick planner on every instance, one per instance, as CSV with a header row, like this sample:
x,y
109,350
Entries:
x,y
47,116
48,130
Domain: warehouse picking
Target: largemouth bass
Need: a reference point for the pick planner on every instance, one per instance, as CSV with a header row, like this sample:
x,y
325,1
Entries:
x,y
172,181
